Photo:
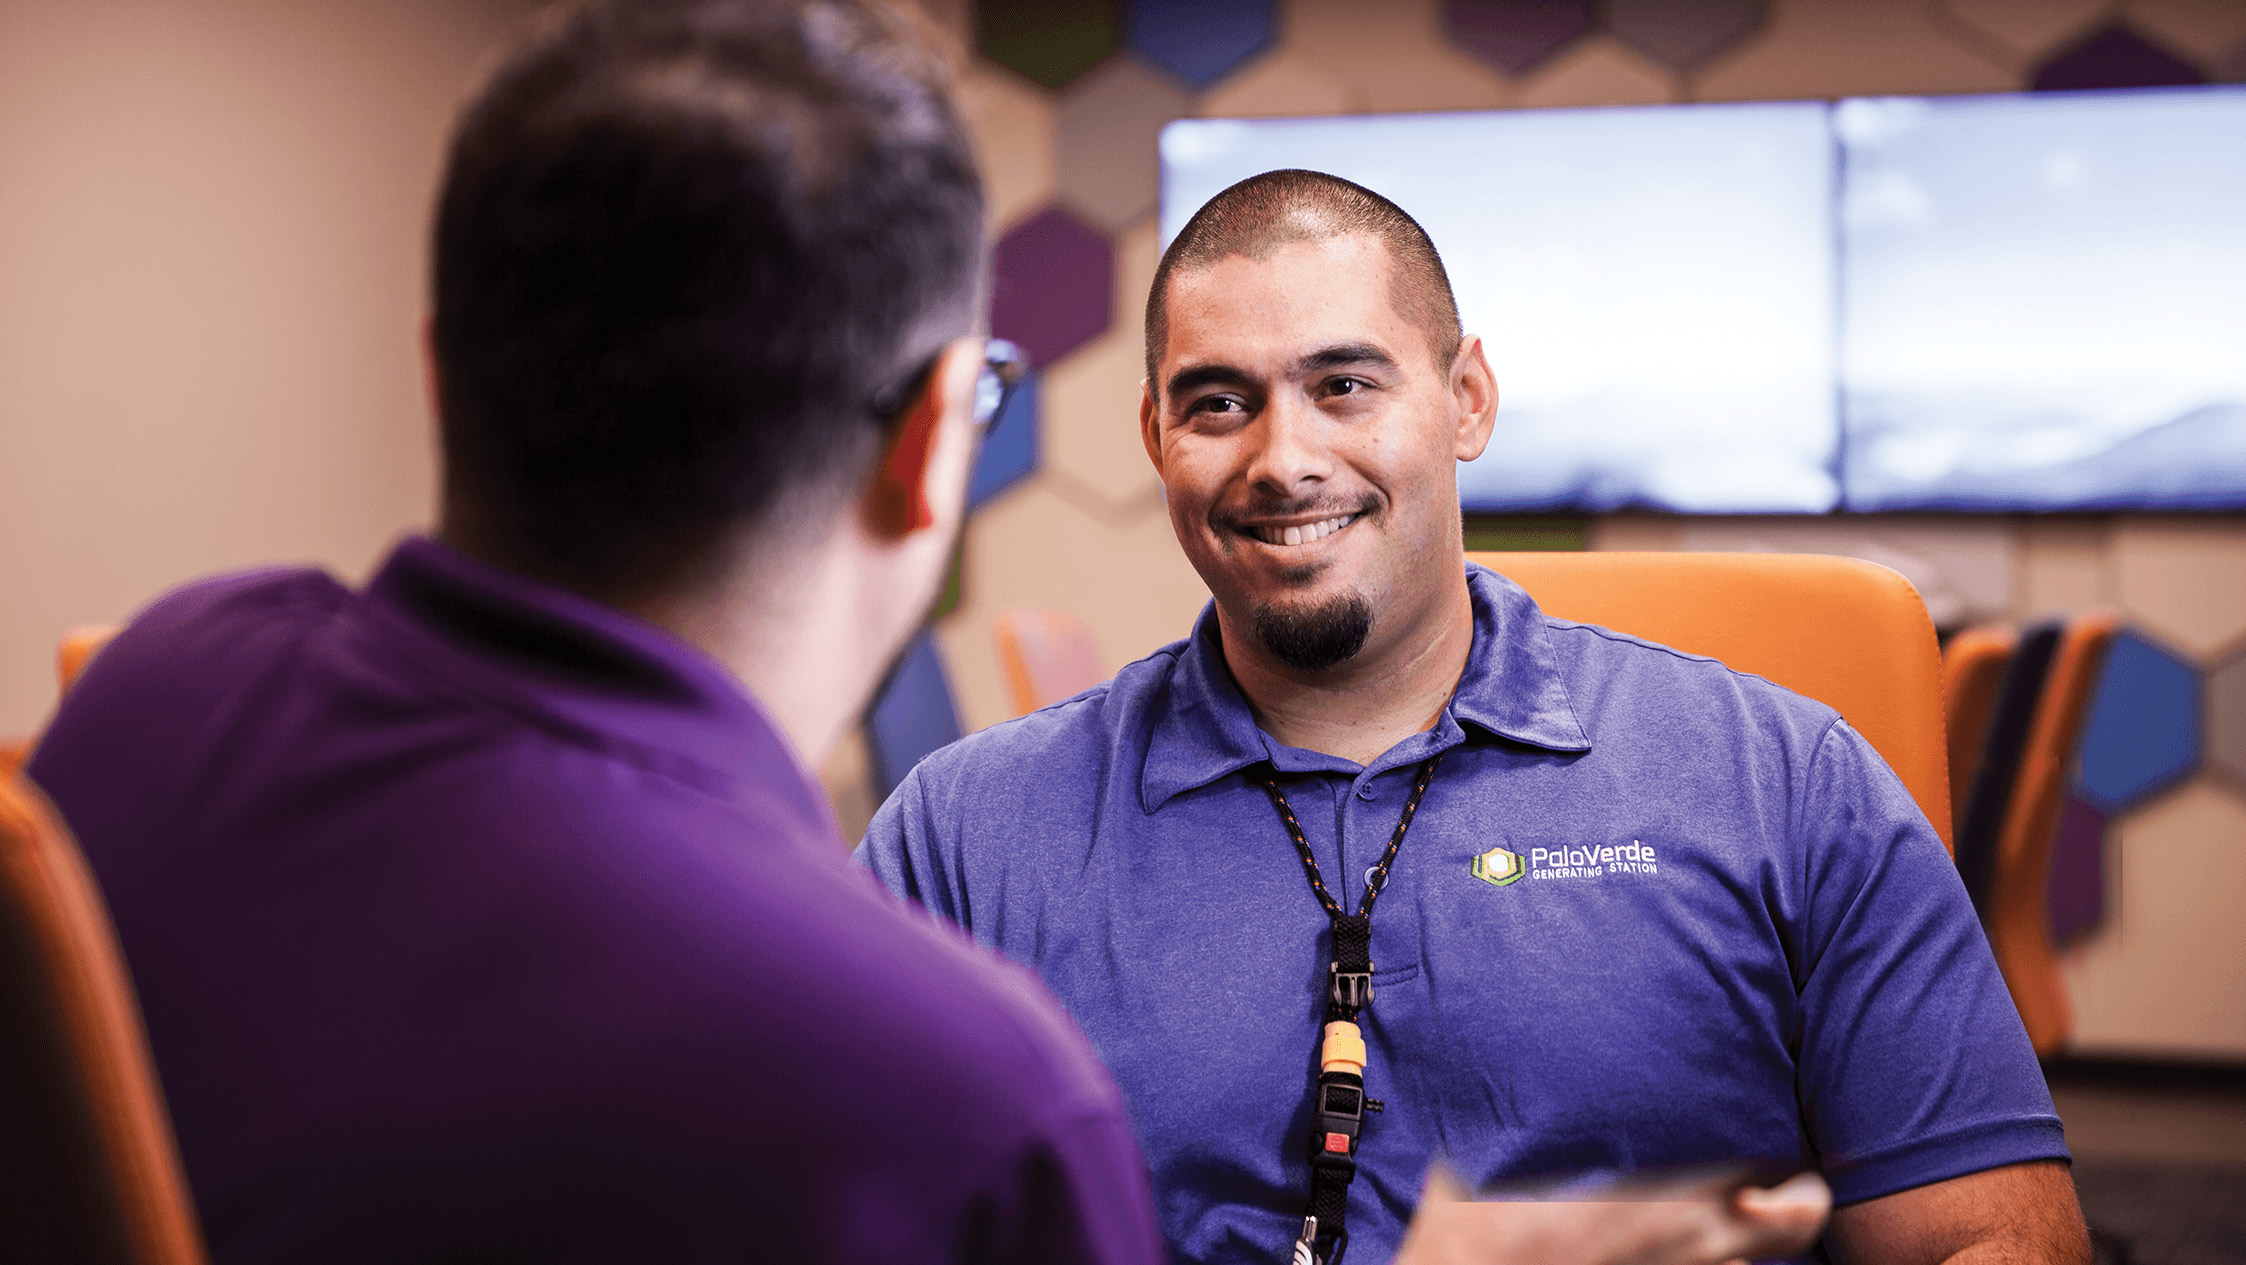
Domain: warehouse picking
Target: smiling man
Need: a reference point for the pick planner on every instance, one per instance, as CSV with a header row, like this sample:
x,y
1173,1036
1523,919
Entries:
x,y
1381,862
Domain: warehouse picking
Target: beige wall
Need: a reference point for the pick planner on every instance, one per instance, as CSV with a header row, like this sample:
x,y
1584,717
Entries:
x,y
211,239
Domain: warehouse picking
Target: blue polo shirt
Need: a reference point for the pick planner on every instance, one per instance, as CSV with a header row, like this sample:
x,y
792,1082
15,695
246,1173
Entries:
x,y
1652,913
476,921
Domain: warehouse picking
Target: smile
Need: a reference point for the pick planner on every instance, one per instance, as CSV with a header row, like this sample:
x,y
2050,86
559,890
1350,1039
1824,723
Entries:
x,y
1308,533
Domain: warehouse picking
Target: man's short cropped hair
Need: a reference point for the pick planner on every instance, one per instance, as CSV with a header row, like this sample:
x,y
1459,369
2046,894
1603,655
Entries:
x,y
680,251
1262,213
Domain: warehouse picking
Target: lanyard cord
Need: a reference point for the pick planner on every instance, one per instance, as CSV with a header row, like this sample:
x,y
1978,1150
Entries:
x,y
1357,928
1338,1101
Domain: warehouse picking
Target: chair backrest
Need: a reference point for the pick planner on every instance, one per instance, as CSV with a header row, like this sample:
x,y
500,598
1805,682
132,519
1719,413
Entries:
x,y
1047,656
88,1168
13,752
1849,634
77,648
1972,668
2019,913
2003,746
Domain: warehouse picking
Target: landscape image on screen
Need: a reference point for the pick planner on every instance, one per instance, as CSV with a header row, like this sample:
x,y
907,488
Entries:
x,y
1654,286
2043,301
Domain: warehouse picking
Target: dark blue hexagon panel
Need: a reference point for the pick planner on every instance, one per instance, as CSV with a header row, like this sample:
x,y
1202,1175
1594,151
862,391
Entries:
x,y
1199,41
2143,731
1009,453
912,716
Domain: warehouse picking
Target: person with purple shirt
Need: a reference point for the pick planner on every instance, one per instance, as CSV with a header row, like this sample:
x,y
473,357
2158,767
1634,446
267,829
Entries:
x,y
488,912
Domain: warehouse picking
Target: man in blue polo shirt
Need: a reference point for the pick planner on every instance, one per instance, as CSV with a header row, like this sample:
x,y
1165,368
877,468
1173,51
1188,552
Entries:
x,y
1593,906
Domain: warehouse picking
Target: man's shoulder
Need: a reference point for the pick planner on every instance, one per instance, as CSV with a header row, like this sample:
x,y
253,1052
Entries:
x,y
1076,733
1618,671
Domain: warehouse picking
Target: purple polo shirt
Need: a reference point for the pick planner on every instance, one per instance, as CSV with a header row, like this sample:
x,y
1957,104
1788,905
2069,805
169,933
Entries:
x,y
474,920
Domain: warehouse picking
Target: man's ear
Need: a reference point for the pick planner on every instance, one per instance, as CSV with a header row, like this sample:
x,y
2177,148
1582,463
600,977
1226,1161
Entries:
x,y
910,491
1150,425
1474,392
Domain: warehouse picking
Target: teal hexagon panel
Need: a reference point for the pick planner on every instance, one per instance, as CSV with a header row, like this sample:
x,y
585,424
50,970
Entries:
x,y
1049,42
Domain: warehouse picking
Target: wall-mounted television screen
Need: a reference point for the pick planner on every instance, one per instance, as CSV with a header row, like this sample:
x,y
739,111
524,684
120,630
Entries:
x,y
1654,286
1970,303
2043,301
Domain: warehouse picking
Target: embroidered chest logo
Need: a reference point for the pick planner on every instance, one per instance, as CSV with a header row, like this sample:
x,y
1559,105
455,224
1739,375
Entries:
x,y
1634,857
1497,867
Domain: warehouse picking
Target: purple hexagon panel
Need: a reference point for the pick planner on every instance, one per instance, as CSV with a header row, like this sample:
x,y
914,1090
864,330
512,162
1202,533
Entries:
x,y
2115,57
1199,41
1516,35
1052,285
1683,33
2077,893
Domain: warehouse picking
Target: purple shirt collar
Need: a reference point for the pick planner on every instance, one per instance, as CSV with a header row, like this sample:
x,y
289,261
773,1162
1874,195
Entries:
x,y
586,673
1511,689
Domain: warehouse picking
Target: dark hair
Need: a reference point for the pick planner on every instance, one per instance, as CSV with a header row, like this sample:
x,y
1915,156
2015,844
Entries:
x,y
1262,213
680,249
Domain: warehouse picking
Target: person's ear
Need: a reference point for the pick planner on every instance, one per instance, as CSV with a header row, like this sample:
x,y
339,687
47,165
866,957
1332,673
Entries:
x,y
915,488
1150,425
1474,393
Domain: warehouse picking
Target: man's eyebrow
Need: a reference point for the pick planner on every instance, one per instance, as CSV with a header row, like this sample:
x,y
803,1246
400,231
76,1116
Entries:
x,y
1341,354
1194,377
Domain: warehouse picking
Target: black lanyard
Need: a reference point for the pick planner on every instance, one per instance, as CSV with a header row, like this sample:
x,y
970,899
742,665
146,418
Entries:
x,y
1337,1098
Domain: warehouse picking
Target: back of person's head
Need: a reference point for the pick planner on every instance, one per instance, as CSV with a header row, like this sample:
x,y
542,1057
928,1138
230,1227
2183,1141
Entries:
x,y
1263,213
681,251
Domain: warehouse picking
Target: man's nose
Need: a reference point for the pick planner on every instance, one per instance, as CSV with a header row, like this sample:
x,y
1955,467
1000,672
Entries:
x,y
1290,457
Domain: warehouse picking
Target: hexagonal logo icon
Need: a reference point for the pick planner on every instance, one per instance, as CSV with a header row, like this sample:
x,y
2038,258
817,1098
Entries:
x,y
1497,867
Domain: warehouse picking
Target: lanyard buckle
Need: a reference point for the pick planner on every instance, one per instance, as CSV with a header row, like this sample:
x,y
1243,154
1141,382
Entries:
x,y
1352,990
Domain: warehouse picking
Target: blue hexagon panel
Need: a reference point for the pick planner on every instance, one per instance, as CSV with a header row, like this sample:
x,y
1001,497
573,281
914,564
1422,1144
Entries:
x,y
2143,731
912,716
2115,57
1199,41
1009,453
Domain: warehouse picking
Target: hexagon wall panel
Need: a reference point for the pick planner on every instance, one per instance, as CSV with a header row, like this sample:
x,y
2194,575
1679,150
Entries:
x,y
1094,433
1599,72
1012,125
2226,719
1010,448
2078,870
1516,35
1285,83
913,715
1049,42
2184,580
2143,730
1052,285
2114,57
2027,27
2199,31
1109,127
1199,41
1682,34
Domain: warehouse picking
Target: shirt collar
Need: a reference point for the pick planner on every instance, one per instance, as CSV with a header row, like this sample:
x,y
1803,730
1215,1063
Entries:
x,y
1511,689
586,671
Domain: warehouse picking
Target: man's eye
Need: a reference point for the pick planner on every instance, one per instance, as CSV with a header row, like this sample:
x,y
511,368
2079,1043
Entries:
x,y
1215,404
1346,386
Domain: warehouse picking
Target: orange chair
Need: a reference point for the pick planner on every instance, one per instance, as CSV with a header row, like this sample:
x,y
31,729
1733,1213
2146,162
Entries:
x,y
88,1168
1849,634
1047,656
1972,669
13,753
78,647
2019,913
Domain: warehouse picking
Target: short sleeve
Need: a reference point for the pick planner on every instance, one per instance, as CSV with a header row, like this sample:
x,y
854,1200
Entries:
x,y
908,855
1914,1066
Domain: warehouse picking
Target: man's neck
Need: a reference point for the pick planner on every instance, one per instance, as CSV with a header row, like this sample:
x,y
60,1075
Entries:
x,y
1396,687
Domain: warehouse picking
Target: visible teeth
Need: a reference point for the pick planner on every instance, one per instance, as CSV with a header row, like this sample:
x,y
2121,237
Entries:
x,y
1303,535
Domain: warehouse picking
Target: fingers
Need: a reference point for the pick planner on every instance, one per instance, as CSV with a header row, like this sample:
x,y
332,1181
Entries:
x,y
1782,1220
1703,1225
